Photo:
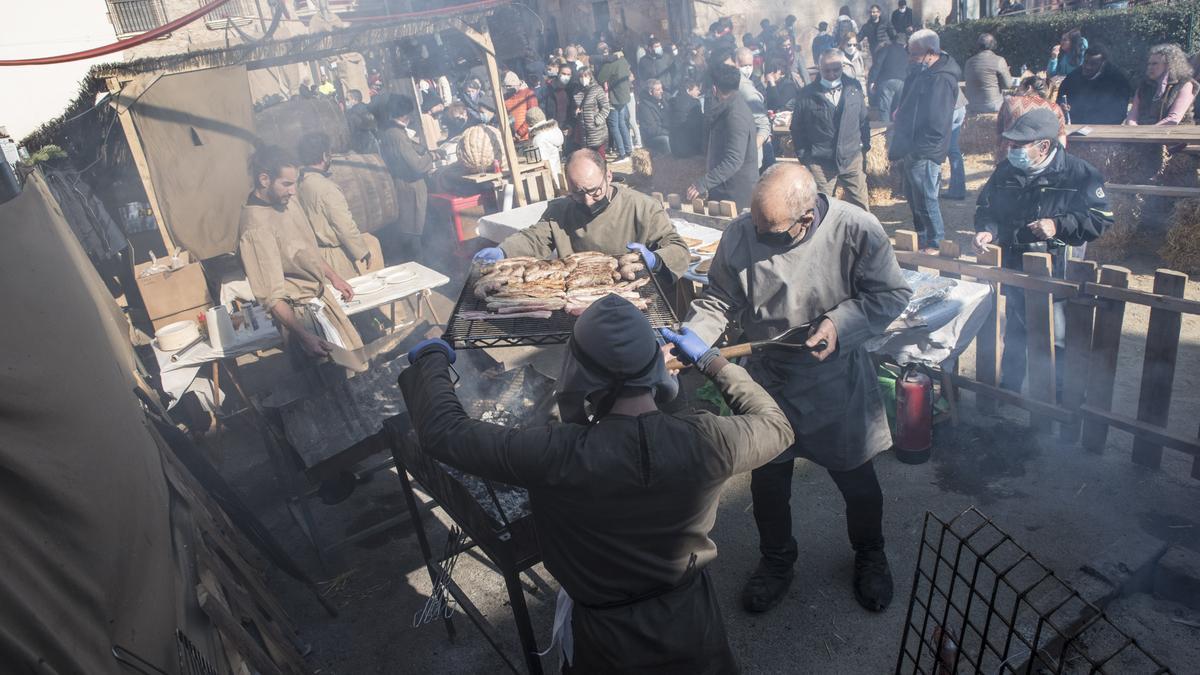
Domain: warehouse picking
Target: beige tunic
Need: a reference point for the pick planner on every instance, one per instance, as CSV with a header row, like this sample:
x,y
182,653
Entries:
x,y
279,254
338,240
566,228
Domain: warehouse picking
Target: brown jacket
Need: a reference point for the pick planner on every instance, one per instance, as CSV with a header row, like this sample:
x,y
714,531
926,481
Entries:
x,y
338,239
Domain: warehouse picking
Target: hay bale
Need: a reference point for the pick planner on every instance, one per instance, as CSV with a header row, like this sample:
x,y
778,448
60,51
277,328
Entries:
x,y
1135,163
978,134
1114,245
878,164
1179,169
1182,248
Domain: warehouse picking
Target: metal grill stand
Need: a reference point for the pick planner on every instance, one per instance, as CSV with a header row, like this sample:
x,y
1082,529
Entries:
x,y
982,604
494,516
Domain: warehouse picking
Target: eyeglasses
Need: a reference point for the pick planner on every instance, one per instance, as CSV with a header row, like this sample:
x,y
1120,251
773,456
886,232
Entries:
x,y
595,193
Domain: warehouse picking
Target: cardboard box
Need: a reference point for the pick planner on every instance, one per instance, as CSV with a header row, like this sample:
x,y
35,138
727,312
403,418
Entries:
x,y
167,294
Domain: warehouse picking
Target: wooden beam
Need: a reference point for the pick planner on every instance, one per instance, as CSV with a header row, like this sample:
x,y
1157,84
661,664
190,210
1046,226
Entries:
x,y
1151,300
138,153
906,242
1158,367
1037,408
484,42
1080,316
1039,337
987,341
1061,289
1154,190
1148,433
1102,363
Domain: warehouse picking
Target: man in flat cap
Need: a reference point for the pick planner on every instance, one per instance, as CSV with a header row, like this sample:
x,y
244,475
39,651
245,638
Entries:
x,y
623,501
1039,199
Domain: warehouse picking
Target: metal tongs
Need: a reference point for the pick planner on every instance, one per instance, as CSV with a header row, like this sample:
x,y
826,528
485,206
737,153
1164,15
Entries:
x,y
792,340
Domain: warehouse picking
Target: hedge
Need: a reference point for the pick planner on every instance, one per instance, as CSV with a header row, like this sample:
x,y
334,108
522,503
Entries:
x,y
1126,33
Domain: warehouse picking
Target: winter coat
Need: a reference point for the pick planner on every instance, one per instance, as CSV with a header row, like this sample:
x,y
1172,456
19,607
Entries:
x,y
986,75
686,122
1102,100
926,112
591,122
409,164
878,33
616,74
661,68
652,116
518,105
1069,191
732,152
825,134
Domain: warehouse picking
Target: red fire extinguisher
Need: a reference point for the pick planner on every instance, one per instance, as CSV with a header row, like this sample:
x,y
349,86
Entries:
x,y
914,416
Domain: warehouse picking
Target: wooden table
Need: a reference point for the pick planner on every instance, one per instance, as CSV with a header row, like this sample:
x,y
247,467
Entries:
x,y
1185,134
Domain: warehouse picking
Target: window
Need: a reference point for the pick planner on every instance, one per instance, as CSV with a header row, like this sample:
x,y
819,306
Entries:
x,y
130,17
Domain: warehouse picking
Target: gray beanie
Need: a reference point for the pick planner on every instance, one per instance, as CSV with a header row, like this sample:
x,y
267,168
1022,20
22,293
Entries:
x,y
613,347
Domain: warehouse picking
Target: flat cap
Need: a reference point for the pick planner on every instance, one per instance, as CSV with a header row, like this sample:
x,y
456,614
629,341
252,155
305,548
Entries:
x,y
1038,124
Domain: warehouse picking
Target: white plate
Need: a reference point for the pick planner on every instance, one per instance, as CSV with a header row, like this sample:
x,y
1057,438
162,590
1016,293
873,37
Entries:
x,y
399,277
368,287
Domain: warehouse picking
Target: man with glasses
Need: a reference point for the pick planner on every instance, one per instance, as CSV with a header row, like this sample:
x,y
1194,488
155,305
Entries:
x,y
802,259
598,215
1039,199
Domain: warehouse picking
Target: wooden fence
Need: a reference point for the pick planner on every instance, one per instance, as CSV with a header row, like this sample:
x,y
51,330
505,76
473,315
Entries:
x,y
1095,298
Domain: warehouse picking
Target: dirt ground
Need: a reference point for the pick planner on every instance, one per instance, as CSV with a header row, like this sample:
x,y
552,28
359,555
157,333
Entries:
x,y
1059,502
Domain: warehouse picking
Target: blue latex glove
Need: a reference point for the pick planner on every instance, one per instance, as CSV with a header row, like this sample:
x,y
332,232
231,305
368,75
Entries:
x,y
428,345
688,347
489,255
647,255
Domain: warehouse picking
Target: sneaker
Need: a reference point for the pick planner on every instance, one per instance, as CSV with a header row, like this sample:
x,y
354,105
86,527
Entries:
x,y
766,587
872,580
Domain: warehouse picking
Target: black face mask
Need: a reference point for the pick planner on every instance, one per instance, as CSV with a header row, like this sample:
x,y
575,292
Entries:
x,y
597,206
775,239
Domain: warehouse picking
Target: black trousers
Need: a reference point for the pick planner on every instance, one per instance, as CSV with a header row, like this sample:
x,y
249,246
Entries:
x,y
771,489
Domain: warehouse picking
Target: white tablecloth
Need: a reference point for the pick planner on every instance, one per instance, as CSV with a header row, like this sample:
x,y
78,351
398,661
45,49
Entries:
x,y
498,226
952,311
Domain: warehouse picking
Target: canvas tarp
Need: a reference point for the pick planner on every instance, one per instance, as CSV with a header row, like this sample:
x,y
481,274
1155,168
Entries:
x,y
89,558
197,129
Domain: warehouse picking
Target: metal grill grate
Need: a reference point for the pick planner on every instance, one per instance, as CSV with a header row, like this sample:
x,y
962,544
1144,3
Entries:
x,y
474,333
982,604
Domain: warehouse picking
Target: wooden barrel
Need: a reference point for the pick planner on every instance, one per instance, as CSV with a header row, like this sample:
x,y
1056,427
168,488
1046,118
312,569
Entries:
x,y
284,123
369,189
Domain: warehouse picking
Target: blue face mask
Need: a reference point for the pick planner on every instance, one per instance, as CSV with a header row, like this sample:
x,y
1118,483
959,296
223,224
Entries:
x,y
1019,158
830,84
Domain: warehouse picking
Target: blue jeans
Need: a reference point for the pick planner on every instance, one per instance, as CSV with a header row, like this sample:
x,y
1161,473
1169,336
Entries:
x,y
887,96
619,140
958,172
921,179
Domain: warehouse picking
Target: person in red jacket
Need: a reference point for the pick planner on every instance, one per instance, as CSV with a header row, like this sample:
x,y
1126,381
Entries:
x,y
519,98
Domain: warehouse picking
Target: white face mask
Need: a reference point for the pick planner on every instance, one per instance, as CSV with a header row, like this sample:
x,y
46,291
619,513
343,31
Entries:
x,y
585,81
747,70
564,78
830,84
424,86
850,50
658,51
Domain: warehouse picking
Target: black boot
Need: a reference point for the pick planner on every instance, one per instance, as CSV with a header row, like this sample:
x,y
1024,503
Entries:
x,y
872,580
767,586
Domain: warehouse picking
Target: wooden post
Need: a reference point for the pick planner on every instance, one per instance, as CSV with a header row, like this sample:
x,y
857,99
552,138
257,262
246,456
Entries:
x,y
712,208
950,250
138,153
674,202
906,240
1102,364
429,126
484,41
697,205
987,342
728,208
1080,315
1158,368
1039,338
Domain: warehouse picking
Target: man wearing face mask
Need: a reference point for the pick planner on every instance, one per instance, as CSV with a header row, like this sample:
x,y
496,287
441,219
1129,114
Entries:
x,y
802,259
658,65
623,499
921,133
598,215
831,130
743,59
1039,199
732,143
